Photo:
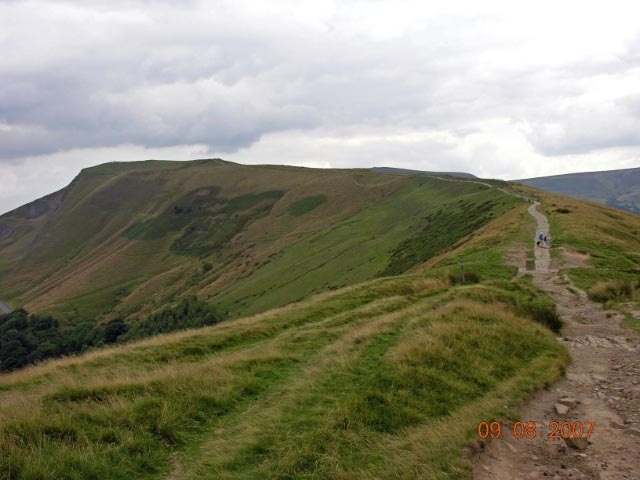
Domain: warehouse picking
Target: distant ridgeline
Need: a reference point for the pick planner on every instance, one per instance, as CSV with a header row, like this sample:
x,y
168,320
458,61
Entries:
x,y
26,339
616,188
407,171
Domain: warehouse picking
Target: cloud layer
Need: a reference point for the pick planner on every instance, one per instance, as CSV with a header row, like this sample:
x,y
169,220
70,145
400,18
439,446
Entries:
x,y
502,90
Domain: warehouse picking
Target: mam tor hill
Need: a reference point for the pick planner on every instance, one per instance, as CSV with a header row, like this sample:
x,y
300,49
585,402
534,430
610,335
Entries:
x,y
347,343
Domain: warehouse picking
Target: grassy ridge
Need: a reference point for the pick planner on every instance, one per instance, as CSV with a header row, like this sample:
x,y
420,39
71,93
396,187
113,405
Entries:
x,y
130,238
443,229
332,387
365,245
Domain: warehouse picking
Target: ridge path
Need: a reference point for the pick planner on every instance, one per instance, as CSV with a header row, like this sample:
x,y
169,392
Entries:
x,y
603,379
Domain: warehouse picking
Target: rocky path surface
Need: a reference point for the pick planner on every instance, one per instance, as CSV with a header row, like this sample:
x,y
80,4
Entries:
x,y
602,385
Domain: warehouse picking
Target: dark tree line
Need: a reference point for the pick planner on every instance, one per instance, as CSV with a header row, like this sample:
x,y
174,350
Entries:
x,y
26,339
189,313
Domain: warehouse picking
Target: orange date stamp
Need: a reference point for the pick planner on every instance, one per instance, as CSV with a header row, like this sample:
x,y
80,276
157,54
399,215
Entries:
x,y
530,430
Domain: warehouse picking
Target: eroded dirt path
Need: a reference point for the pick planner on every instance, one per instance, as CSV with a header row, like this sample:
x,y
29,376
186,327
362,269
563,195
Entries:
x,y
604,381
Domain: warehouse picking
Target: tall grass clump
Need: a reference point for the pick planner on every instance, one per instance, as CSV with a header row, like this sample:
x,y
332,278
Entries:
x,y
456,278
613,290
524,299
543,312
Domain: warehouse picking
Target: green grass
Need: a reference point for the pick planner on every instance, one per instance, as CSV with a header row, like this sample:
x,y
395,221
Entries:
x,y
443,229
204,221
90,306
362,247
366,382
587,278
306,205
382,379
631,320
123,221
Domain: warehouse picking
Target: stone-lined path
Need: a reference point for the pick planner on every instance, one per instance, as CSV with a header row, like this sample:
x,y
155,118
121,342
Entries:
x,y
603,379
543,255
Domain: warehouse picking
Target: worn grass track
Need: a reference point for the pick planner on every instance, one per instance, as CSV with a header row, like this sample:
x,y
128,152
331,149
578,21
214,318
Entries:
x,y
382,380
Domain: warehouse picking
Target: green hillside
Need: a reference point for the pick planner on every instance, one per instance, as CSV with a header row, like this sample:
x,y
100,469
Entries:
x,y
615,188
386,377
126,239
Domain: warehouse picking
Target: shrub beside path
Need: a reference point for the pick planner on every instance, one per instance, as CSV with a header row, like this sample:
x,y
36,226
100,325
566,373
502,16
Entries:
x,y
601,385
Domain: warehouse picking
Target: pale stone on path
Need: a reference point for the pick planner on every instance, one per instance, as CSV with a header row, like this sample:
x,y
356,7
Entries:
x,y
577,443
568,401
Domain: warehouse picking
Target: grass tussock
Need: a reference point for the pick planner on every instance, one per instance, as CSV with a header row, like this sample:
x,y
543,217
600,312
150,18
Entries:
x,y
521,297
614,290
456,277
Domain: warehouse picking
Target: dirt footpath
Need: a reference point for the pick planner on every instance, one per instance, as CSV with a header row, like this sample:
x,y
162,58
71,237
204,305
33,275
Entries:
x,y
602,385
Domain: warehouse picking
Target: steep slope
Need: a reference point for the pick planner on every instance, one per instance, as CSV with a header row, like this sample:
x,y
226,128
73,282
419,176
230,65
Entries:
x,y
125,239
616,188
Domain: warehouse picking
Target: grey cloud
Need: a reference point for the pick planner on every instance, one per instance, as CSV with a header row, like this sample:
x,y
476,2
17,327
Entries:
x,y
104,73
586,128
178,78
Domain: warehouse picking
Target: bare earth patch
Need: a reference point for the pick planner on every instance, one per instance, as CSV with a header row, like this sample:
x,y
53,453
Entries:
x,y
516,256
575,259
604,381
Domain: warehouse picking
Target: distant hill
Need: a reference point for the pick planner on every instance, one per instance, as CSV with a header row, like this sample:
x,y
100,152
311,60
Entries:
x,y
615,188
407,171
125,240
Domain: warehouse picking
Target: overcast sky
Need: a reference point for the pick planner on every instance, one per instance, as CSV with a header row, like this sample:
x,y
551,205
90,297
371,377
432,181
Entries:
x,y
498,89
